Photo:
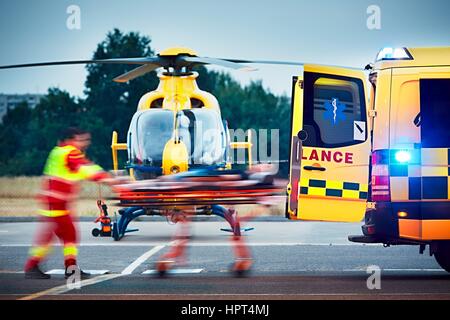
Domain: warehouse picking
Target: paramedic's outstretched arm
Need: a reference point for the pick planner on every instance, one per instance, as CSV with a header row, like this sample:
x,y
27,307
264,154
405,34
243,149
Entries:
x,y
77,162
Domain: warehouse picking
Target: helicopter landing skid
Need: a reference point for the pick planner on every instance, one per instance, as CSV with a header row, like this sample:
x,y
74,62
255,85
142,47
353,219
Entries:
x,y
120,227
242,229
126,216
213,190
231,216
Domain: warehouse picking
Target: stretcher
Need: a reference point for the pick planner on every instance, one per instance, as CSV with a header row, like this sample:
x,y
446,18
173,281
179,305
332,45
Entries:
x,y
201,191
201,188
196,192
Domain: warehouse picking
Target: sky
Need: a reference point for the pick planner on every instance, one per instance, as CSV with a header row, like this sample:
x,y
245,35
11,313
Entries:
x,y
331,32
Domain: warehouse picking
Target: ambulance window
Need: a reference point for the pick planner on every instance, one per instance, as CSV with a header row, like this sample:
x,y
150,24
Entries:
x,y
435,113
334,111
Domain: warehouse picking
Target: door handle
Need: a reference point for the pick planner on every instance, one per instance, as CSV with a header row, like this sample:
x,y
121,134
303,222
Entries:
x,y
312,168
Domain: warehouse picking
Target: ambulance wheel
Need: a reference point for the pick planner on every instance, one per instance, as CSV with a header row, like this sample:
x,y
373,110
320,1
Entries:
x,y
442,255
95,232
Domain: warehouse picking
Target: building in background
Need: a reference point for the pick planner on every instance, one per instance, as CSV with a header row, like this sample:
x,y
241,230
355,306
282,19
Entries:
x,y
12,100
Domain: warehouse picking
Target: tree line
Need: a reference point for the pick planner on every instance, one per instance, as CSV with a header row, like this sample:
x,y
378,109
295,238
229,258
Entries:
x,y
27,135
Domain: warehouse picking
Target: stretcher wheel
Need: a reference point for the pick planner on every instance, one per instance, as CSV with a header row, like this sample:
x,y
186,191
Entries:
x,y
162,273
242,267
95,232
162,267
115,232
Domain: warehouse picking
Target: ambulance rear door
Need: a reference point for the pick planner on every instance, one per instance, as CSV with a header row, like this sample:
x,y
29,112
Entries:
x,y
329,174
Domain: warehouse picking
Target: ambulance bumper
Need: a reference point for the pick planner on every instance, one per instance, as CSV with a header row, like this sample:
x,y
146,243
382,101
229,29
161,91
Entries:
x,y
381,225
363,239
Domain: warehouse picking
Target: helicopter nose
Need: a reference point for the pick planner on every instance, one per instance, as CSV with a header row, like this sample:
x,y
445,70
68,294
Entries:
x,y
175,157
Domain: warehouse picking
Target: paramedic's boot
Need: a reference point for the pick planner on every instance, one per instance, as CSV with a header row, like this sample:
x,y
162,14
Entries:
x,y
242,266
175,256
36,273
243,261
83,275
163,266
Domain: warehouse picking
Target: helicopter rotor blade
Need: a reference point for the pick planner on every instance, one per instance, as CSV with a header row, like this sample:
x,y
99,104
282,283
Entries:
x,y
219,62
288,63
138,61
137,72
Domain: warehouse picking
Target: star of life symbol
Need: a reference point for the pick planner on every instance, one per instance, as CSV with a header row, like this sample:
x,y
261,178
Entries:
x,y
334,111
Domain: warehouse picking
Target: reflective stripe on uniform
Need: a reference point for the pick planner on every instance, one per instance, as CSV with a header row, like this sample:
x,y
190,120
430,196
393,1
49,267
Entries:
x,y
338,189
39,252
57,195
53,213
70,250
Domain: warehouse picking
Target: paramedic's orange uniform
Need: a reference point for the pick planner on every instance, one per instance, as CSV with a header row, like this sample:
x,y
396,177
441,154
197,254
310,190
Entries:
x,y
65,167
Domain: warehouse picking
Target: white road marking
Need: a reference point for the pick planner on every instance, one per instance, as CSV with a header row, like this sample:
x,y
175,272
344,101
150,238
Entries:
x,y
415,270
65,288
136,263
92,272
84,283
175,271
95,272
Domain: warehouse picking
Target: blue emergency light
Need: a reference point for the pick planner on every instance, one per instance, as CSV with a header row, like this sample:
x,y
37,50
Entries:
x,y
390,53
403,156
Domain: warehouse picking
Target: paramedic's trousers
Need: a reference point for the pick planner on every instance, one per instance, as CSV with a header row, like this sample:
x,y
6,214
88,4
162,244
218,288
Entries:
x,y
62,227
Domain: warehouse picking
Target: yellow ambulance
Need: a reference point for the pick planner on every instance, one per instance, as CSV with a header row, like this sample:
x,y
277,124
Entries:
x,y
375,144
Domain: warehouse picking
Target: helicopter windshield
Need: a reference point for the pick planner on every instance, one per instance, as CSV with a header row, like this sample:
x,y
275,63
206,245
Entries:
x,y
149,133
203,133
201,130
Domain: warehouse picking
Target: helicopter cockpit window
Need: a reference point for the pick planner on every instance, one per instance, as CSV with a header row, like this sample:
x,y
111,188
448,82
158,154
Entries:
x,y
203,133
154,128
201,130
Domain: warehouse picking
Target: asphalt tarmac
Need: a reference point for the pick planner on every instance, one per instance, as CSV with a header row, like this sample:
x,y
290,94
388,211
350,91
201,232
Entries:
x,y
292,260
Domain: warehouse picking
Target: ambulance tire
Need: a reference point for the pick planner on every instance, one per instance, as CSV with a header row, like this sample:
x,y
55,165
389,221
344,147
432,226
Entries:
x,y
442,255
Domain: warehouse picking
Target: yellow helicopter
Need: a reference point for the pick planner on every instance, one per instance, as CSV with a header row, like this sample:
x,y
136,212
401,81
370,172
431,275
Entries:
x,y
167,117
178,129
